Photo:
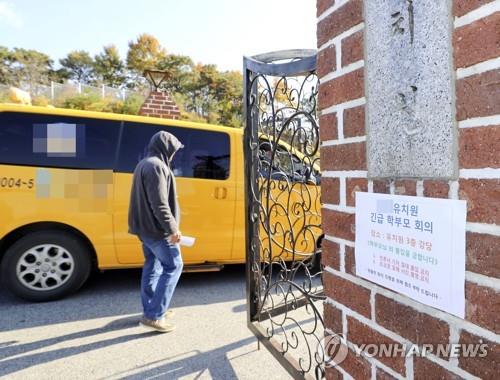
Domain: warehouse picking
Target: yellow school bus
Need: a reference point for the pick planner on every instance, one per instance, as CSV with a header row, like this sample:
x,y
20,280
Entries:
x,y
65,179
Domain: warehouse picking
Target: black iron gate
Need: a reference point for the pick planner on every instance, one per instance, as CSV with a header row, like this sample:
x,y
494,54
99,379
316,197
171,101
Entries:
x,y
281,148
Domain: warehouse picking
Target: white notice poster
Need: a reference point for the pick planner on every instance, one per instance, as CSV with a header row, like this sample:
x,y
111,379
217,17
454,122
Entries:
x,y
413,245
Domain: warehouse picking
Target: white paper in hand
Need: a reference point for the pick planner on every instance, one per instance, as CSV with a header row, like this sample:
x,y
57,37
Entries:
x,y
187,241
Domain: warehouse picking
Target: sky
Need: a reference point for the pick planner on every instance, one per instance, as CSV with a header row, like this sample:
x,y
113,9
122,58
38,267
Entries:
x,y
220,32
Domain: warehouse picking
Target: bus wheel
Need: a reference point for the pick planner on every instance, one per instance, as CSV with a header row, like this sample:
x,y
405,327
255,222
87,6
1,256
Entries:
x,y
46,265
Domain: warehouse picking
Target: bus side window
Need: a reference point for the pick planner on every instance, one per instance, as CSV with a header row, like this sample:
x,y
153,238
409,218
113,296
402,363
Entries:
x,y
57,141
205,153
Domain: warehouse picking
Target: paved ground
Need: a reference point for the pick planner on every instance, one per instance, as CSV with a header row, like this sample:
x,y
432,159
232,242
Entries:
x,y
94,334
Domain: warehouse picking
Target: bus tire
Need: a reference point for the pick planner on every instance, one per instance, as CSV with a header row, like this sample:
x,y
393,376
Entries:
x,y
46,265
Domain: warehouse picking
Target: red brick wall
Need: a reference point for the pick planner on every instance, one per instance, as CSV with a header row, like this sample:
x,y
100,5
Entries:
x,y
364,311
159,104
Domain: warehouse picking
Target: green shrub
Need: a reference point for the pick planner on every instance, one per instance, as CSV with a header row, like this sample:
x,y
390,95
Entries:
x,y
40,100
132,104
82,102
94,102
4,97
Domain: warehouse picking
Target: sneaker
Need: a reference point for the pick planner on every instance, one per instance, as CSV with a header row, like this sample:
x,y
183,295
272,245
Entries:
x,y
157,325
169,314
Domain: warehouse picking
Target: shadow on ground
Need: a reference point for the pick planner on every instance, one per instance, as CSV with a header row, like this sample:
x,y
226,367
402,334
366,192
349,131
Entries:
x,y
115,293
214,362
86,333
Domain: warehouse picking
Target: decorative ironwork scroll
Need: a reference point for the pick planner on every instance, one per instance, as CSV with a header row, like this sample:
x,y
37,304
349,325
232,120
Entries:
x,y
283,213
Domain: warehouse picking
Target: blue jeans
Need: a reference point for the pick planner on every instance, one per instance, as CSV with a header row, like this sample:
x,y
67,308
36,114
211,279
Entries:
x,y
160,274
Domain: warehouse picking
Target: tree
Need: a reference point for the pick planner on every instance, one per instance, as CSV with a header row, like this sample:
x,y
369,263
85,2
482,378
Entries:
x,y
214,96
79,66
24,68
5,66
229,95
179,70
144,53
284,93
109,67
202,92
34,66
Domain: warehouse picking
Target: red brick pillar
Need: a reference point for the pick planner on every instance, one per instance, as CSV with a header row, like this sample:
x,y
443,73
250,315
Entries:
x,y
159,104
361,310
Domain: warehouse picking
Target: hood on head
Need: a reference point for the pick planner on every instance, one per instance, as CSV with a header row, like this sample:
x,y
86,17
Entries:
x,y
163,145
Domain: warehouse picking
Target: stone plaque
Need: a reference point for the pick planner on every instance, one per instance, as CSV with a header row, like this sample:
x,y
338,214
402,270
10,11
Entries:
x,y
409,82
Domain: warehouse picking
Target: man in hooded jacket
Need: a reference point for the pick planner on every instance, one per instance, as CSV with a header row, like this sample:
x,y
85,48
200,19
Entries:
x,y
154,217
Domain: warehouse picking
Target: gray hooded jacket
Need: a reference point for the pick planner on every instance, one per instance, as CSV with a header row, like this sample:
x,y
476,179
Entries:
x,y
154,211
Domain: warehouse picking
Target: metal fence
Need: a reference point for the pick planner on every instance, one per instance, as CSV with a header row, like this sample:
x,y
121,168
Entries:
x,y
56,93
